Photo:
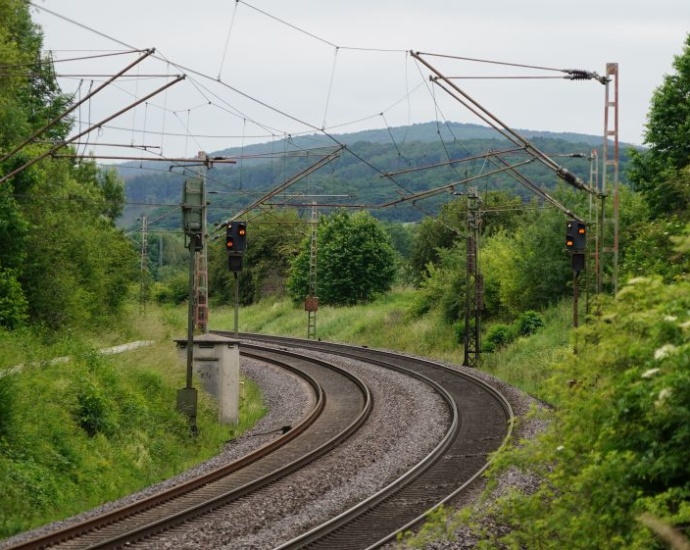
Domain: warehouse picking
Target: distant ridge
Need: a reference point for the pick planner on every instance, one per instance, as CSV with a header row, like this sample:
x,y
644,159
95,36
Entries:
x,y
422,132
427,132
357,173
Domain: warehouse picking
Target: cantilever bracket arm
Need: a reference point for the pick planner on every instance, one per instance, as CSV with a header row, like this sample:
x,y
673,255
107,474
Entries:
x,y
501,127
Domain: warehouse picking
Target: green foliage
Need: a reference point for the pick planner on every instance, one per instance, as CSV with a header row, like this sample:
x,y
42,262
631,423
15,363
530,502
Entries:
x,y
272,242
436,234
617,442
659,170
94,411
78,433
7,404
443,286
529,268
503,213
13,305
653,250
440,524
529,322
78,268
527,363
355,261
173,291
498,336
62,260
28,99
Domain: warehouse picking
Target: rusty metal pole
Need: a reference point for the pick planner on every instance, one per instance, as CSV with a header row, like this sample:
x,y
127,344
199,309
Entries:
x,y
576,300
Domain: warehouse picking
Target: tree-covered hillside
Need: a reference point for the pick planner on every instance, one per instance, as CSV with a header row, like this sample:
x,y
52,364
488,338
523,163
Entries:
x,y
377,168
62,260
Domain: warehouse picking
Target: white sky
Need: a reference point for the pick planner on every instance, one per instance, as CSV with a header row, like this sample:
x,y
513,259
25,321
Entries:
x,y
294,67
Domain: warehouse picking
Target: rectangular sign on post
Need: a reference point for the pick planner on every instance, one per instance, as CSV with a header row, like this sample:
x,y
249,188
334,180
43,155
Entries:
x,y
192,206
235,262
578,262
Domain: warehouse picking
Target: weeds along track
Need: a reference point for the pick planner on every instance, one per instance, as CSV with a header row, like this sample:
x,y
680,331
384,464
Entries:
x,y
281,496
331,420
481,424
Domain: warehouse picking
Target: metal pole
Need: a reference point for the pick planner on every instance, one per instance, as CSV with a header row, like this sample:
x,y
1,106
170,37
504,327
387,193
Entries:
x,y
190,312
237,303
472,291
600,243
576,289
201,287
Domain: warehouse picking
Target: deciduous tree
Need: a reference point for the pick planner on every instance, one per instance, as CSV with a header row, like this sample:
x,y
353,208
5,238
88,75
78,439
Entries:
x,y
355,261
658,171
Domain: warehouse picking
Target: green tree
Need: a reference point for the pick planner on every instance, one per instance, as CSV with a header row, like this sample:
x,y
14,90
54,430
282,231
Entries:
x,y
658,171
273,240
436,234
77,267
500,211
29,94
355,261
444,283
61,258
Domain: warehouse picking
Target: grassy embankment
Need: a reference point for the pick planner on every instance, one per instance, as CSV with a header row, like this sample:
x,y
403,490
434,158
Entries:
x,y
387,323
76,433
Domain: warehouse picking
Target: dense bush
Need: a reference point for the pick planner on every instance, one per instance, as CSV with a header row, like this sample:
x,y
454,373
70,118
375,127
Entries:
x,y
498,336
75,434
355,261
617,443
529,322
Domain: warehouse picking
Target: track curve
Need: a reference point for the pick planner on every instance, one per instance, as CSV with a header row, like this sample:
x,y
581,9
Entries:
x,y
327,424
484,424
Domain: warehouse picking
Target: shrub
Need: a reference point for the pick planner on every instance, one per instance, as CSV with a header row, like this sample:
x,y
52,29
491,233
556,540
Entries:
x,y
616,445
529,322
7,403
94,413
498,336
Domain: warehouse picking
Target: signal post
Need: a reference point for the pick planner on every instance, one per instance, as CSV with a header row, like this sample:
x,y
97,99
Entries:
x,y
576,243
235,245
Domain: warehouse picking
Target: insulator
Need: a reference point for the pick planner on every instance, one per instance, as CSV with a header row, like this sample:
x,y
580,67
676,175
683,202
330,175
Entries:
x,y
578,74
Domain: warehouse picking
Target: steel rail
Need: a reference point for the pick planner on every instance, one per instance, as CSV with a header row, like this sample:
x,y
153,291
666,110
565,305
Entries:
x,y
330,533
218,501
109,518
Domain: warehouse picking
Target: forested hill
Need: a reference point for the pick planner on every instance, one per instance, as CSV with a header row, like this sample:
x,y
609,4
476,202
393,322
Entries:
x,y
355,178
428,132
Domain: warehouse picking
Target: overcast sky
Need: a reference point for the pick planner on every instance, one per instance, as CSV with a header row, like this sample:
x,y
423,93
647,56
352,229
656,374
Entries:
x,y
271,68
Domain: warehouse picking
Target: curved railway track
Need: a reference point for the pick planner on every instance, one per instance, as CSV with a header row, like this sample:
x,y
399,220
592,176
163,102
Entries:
x,y
328,423
480,421
483,423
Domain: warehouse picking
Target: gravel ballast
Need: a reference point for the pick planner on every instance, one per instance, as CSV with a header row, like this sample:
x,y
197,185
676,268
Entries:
x,y
407,422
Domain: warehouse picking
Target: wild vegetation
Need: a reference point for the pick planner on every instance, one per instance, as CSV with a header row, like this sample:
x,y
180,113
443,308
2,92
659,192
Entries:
x,y
616,445
78,428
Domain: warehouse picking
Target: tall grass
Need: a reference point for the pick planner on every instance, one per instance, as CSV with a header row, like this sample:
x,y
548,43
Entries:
x,y
528,361
78,433
388,323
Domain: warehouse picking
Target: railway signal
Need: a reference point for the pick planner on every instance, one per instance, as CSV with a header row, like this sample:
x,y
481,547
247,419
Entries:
x,y
576,236
241,236
576,243
236,237
236,244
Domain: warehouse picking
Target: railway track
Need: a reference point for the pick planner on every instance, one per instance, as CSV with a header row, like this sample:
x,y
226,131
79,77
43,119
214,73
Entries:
x,y
479,421
325,426
481,425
